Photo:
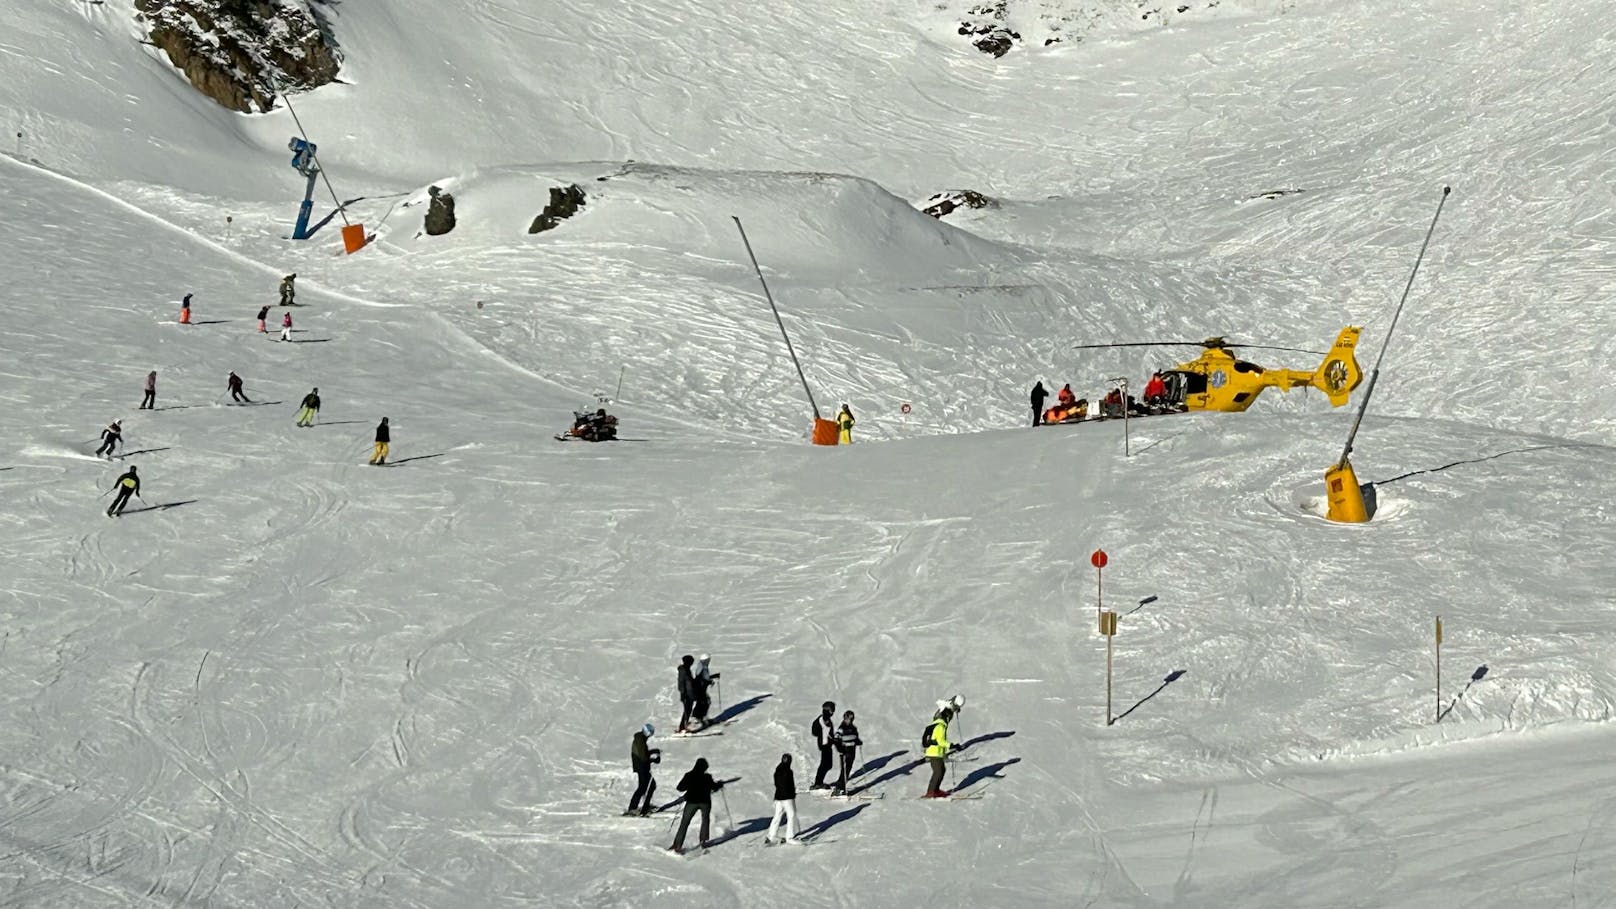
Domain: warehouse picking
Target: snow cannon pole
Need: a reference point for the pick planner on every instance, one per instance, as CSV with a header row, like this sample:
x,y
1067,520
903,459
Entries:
x,y
1438,669
777,320
1342,492
316,158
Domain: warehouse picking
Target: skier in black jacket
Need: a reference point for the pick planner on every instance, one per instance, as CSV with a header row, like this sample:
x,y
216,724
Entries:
x,y
785,802
702,678
1038,396
642,755
687,691
847,745
127,485
110,438
698,786
824,730
233,385
384,437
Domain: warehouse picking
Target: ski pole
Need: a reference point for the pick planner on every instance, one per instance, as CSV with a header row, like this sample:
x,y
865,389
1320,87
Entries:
x,y
729,820
718,688
105,494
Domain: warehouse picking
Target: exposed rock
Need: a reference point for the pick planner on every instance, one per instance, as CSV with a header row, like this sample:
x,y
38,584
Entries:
x,y
243,53
564,203
944,203
440,216
985,22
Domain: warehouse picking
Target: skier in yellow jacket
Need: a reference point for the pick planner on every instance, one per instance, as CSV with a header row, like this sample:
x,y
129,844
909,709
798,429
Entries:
x,y
937,752
844,422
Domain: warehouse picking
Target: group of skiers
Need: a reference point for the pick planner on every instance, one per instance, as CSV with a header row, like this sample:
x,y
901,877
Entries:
x,y
830,737
1069,408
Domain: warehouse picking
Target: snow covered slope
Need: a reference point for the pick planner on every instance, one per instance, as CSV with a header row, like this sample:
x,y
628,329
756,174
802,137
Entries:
x,y
291,679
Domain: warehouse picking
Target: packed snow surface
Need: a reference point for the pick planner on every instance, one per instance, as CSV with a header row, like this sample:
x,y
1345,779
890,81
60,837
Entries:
x,y
285,678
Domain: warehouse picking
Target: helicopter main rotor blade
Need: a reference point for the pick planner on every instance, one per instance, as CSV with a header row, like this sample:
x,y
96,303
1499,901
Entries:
x,y
1271,347
1139,344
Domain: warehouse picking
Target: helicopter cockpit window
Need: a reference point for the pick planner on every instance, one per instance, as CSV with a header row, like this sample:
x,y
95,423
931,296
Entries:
x,y
1243,366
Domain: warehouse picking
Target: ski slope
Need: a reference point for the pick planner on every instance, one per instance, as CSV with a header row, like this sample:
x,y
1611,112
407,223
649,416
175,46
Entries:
x,y
288,678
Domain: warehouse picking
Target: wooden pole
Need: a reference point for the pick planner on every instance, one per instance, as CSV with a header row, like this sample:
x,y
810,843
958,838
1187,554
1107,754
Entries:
x,y
1108,680
1439,669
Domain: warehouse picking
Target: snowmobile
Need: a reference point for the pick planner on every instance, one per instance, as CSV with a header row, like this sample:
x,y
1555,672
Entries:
x,y
598,426
1218,380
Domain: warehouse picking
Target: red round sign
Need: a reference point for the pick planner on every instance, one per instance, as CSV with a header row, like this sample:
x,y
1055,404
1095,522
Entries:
x,y
904,408
1099,558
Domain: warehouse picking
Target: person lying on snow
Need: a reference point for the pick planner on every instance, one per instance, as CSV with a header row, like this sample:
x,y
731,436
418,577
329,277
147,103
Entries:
x,y
1068,413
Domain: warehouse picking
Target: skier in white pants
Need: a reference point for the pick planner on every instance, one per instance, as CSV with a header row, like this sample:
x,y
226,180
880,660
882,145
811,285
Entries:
x,y
785,802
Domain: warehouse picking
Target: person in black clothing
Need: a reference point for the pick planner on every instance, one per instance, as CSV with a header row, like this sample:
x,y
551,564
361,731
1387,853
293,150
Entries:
x,y
234,384
785,802
1038,396
687,691
642,755
847,745
698,786
384,435
127,485
701,679
110,439
824,729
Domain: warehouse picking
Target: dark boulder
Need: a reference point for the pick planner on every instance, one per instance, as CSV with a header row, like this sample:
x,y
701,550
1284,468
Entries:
x,y
564,203
440,213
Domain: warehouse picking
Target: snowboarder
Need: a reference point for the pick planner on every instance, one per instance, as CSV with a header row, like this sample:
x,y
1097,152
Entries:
x,y
847,745
263,315
185,310
785,802
149,400
824,730
642,756
383,437
288,292
1038,396
127,485
111,437
234,385
687,691
286,327
698,786
702,678
844,422
936,742
311,408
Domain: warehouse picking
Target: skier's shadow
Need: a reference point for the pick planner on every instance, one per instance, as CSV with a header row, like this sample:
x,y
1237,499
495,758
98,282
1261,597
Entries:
x,y
423,458
874,764
991,771
750,825
894,773
212,321
733,710
178,407
341,423
846,814
308,340
162,507
130,454
988,737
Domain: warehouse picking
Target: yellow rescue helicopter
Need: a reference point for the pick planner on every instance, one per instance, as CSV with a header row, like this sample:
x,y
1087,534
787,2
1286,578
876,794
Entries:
x,y
1220,381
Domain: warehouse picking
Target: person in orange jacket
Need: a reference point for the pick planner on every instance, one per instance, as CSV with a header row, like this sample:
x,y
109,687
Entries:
x,y
185,310
1065,397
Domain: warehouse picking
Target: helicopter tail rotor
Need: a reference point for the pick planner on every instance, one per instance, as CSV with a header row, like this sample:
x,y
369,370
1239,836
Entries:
x,y
1339,373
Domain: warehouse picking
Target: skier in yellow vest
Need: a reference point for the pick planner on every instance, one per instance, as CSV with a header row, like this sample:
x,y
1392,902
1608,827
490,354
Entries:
x,y
937,747
844,422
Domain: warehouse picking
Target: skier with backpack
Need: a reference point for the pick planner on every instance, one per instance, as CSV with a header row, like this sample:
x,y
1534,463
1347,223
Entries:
x,y
935,742
824,732
310,408
288,291
642,756
698,786
847,744
127,485
111,437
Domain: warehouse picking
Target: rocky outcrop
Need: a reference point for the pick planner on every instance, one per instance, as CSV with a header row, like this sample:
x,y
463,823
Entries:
x,y
243,53
564,203
944,203
985,24
440,216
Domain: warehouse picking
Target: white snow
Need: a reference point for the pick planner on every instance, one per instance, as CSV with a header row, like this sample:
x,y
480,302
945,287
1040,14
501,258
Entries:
x,y
292,679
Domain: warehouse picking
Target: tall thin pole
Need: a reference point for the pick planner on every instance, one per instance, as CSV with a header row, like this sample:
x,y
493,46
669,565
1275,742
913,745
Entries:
x,y
1439,669
1108,679
777,320
619,392
1375,375
304,133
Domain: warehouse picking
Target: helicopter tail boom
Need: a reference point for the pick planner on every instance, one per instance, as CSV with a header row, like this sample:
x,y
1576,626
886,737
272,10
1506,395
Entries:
x,y
1339,373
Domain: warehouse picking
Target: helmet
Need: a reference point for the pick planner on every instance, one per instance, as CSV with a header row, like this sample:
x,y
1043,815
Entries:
x,y
847,714
957,702
704,658
648,729
828,706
